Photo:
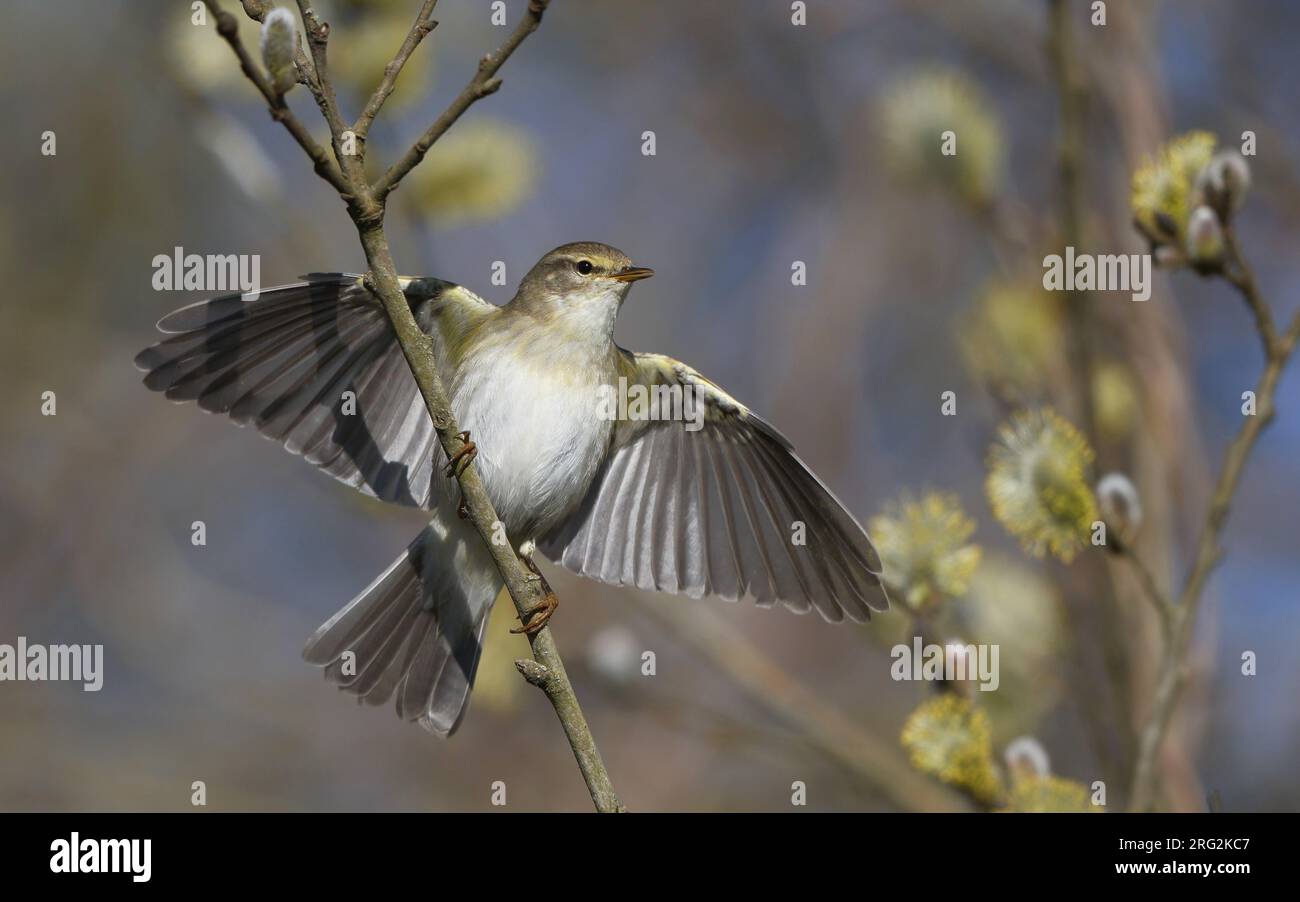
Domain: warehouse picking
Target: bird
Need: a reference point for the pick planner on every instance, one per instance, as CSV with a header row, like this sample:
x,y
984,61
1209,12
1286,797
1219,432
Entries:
x,y
690,492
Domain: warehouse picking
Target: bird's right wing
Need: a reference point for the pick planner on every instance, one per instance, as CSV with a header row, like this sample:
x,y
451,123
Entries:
x,y
315,365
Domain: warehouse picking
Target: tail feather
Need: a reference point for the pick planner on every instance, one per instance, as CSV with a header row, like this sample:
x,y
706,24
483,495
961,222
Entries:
x,y
383,648
437,685
351,623
416,632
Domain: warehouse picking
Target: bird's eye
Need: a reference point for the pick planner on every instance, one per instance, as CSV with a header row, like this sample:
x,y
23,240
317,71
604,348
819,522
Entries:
x,y
584,267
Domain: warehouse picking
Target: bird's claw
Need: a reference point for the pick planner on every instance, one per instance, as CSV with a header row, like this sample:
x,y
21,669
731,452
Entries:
x,y
537,616
461,459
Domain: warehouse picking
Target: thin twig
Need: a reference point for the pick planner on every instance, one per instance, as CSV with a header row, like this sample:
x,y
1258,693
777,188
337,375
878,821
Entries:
x,y
1160,603
366,207
1173,669
1238,272
481,85
423,25
318,34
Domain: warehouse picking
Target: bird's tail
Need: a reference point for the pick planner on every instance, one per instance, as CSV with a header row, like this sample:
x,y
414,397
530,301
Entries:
x,y
416,632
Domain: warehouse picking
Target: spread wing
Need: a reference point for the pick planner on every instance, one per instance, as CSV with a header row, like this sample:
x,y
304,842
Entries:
x,y
315,365
726,509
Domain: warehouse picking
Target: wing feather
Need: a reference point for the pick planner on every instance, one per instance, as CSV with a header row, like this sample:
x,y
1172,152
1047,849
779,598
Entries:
x,y
285,360
713,511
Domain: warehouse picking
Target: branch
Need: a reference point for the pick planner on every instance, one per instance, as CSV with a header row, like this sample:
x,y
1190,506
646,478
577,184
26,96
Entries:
x,y
1097,581
423,25
366,208
1173,672
318,34
1160,603
481,85
1238,272
526,591
228,28
1069,162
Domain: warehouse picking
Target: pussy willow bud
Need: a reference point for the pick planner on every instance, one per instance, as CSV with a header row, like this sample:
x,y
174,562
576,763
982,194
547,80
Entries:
x,y
613,654
1025,756
1205,245
279,38
1119,504
960,665
1224,182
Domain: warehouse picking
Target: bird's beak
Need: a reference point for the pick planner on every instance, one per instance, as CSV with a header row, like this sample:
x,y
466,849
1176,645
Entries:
x,y
633,274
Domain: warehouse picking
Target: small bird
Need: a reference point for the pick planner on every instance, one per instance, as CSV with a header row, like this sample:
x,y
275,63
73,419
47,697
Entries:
x,y
701,498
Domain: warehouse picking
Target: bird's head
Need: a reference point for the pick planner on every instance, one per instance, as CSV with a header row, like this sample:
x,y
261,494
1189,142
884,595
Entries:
x,y
584,282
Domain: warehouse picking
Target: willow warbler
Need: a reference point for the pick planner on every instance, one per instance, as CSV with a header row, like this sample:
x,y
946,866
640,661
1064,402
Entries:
x,y
686,491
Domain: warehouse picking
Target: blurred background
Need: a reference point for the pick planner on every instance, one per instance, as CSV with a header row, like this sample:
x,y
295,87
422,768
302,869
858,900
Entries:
x,y
774,143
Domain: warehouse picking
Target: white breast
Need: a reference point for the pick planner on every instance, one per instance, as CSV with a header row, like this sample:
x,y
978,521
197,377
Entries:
x,y
538,431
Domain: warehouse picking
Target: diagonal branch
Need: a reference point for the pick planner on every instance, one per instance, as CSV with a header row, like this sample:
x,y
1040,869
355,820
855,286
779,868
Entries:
x,y
318,34
526,591
481,85
1160,603
423,25
366,207
1173,670
1238,272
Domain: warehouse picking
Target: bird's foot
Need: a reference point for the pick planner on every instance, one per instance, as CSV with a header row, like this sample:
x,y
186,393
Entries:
x,y
537,616
462,458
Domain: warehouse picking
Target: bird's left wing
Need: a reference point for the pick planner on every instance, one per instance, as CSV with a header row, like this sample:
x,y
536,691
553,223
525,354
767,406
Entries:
x,y
315,366
726,509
